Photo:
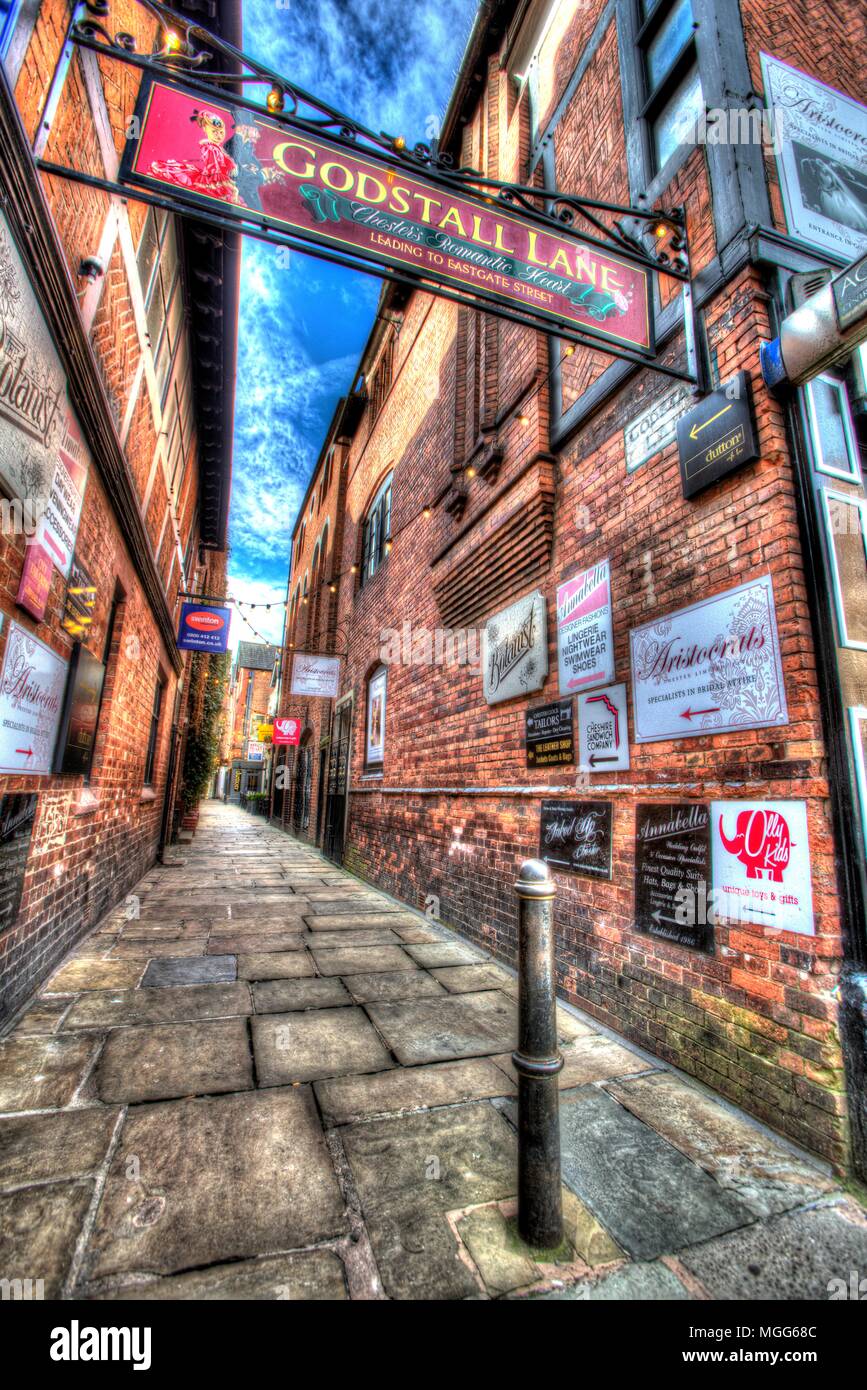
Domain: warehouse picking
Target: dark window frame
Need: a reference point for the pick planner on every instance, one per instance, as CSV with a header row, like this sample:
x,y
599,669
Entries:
x,y
376,531
650,16
153,736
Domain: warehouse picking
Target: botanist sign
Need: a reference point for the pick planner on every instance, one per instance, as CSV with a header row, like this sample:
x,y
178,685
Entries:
x,y
365,204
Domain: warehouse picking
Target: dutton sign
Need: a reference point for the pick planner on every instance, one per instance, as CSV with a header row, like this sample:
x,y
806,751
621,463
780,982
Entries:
x,y
279,176
203,629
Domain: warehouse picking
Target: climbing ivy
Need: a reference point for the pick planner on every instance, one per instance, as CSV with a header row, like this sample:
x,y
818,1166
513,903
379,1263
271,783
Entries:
x,y
203,739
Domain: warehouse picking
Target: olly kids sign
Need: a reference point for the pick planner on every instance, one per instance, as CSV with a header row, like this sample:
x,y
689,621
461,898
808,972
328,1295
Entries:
x,y
379,211
203,629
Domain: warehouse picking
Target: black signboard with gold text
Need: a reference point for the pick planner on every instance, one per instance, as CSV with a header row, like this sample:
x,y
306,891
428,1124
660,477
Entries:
x,y
717,435
672,872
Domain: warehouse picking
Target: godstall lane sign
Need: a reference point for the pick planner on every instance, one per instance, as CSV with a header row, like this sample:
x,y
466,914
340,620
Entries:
x,y
205,151
711,668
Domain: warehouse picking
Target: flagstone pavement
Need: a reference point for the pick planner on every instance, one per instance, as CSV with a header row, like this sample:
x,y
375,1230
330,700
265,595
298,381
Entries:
x,y
260,1078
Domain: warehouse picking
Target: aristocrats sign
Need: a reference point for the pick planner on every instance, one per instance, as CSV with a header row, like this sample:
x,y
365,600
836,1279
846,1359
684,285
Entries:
x,y
315,675
711,668
381,211
515,650
31,700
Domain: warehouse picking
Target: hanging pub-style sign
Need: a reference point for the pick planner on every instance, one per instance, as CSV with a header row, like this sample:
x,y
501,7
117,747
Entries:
x,y
316,188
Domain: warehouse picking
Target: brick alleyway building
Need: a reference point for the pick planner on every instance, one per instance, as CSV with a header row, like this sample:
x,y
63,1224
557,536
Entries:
x,y
121,324
477,463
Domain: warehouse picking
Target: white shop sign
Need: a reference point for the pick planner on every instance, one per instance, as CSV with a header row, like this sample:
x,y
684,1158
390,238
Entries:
x,y
315,675
655,428
515,650
761,863
603,731
585,644
32,684
820,141
711,668
255,751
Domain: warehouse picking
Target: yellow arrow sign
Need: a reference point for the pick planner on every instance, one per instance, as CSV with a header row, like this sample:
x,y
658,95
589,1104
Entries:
x,y
697,429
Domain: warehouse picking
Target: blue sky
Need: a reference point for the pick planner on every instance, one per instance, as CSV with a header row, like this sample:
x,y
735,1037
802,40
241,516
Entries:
x,y
303,323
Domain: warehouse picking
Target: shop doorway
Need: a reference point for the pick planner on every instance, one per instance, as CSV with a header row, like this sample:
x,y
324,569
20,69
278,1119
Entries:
x,y
338,782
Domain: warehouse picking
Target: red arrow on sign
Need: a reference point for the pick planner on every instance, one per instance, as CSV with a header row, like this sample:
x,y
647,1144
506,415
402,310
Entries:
x,y
28,751
696,713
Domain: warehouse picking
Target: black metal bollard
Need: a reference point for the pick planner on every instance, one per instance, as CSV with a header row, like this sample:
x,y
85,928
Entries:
x,y
537,1062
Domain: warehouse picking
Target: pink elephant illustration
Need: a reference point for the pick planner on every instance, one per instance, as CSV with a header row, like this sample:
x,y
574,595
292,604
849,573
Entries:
x,y
761,842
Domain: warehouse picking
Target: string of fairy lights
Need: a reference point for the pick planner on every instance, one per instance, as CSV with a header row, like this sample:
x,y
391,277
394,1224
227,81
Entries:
x,y
520,415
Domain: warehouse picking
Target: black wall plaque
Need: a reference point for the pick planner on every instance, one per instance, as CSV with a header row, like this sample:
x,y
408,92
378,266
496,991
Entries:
x,y
550,735
576,835
17,815
80,713
717,435
672,852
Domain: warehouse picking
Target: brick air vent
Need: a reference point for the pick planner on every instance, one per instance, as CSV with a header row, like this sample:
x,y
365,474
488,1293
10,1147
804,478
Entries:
x,y
504,565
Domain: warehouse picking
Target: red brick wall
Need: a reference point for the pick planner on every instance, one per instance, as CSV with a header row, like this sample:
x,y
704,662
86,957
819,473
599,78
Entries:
x,y
89,846
456,809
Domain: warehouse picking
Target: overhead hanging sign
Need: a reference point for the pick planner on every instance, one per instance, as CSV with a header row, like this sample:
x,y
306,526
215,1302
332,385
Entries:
x,y
711,668
287,731
315,675
203,628
585,643
367,204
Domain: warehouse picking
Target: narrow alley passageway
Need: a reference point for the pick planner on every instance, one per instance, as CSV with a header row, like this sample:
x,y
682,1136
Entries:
x,y
261,1078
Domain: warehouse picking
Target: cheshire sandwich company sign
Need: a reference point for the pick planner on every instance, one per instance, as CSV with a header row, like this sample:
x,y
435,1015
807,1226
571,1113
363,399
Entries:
x,y
276,174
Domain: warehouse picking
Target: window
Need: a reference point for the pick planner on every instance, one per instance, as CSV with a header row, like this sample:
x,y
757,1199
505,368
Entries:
x,y
376,532
155,728
8,16
374,748
672,86
159,272
831,428
380,382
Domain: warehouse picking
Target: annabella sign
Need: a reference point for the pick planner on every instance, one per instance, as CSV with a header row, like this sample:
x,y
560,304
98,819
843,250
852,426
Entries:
x,y
367,205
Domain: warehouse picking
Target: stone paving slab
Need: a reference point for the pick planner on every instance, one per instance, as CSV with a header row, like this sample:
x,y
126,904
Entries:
x,y
54,1147
444,953
338,940
39,1228
155,950
253,942
631,1283
793,1256
361,921
286,996
42,1073
275,965
650,1197
393,984
468,979
455,1025
418,936
222,1178
175,1059
84,973
342,907
174,971
133,1007
306,1046
43,1017
361,960
764,1174
409,1172
348,1098
309,1275
591,1058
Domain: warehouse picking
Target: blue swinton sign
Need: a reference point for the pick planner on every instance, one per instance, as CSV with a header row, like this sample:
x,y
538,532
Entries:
x,y
203,628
